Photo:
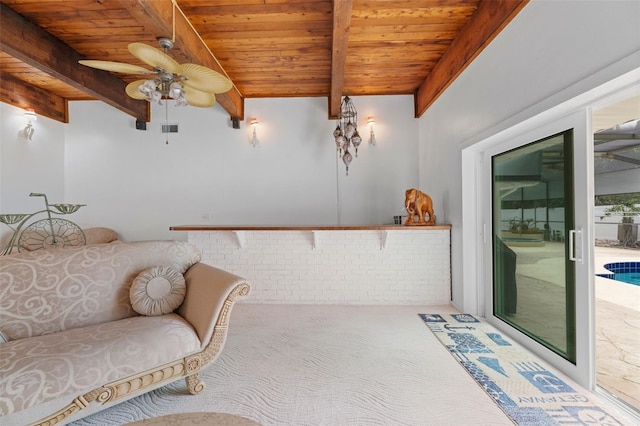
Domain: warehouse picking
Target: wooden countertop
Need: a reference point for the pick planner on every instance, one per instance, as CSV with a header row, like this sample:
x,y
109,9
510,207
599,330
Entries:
x,y
312,228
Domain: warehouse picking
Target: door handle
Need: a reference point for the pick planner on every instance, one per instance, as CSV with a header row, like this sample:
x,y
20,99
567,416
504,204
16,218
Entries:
x,y
575,245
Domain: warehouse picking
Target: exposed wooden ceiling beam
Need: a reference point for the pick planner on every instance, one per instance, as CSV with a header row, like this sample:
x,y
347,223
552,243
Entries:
x,y
341,24
487,22
157,17
23,95
25,41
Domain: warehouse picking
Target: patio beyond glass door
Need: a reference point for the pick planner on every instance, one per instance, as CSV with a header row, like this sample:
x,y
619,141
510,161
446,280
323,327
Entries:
x,y
533,242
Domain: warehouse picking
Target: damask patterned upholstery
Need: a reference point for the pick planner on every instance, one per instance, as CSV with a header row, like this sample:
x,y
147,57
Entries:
x,y
48,291
74,345
39,369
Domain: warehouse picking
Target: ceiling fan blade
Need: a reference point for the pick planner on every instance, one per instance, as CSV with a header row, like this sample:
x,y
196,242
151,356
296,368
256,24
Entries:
x,y
199,98
115,66
205,79
154,57
133,91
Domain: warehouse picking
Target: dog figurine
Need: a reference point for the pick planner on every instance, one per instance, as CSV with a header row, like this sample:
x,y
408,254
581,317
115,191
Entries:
x,y
417,203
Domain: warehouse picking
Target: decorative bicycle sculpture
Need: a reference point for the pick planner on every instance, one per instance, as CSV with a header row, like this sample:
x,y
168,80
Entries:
x,y
46,233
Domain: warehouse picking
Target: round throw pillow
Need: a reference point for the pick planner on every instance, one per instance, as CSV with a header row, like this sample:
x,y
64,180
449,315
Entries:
x,y
157,291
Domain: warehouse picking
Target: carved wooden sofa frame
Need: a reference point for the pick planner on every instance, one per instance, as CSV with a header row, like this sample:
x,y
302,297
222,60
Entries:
x,y
72,343
188,367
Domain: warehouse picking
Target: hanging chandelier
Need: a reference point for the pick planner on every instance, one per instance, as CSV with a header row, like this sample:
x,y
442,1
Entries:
x,y
346,132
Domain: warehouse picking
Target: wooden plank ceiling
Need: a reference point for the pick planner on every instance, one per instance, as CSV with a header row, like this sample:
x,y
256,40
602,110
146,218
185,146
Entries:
x,y
268,48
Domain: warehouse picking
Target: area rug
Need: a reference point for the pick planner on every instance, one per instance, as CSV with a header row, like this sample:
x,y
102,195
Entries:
x,y
526,389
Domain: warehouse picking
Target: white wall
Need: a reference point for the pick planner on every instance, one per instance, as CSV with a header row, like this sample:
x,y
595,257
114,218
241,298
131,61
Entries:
x,y
551,52
26,166
136,184
606,227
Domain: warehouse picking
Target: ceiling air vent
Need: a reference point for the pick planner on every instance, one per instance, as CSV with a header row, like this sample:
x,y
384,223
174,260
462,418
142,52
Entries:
x,y
169,128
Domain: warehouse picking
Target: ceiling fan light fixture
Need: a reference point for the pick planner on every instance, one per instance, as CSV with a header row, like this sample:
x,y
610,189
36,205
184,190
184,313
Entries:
x,y
180,98
156,97
187,84
175,90
148,88
181,101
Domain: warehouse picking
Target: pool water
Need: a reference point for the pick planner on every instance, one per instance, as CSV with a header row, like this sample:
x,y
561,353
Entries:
x,y
628,277
626,272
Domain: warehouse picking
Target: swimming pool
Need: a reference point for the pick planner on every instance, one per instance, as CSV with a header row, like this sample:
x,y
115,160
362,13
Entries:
x,y
626,272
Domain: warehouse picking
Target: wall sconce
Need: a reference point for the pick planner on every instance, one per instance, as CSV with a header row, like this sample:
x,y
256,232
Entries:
x,y
372,137
254,137
28,131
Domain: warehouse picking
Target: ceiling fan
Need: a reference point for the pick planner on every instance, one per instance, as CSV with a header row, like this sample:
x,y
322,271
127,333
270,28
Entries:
x,y
187,84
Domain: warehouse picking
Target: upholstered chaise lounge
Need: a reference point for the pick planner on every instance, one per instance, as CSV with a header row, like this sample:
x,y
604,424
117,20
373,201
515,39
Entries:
x,y
73,343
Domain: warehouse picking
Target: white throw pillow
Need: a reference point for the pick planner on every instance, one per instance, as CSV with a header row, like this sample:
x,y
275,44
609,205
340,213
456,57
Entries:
x,y
157,291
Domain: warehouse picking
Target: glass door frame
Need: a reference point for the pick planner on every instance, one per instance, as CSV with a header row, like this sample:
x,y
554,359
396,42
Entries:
x,y
580,121
515,172
606,85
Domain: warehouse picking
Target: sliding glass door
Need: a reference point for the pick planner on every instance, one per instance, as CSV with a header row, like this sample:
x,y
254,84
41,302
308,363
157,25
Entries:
x,y
538,277
533,270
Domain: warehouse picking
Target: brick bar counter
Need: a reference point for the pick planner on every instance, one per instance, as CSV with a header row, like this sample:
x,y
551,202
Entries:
x,y
391,264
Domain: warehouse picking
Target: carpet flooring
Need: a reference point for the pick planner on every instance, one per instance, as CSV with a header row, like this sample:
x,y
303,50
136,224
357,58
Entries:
x,y
326,365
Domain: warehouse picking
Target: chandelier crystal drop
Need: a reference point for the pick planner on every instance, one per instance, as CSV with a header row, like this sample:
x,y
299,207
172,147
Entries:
x,y
346,132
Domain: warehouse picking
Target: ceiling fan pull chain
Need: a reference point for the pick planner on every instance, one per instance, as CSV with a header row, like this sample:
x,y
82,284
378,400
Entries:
x,y
166,117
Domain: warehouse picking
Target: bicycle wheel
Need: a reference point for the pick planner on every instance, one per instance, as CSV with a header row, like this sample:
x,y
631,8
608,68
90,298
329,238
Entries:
x,y
38,235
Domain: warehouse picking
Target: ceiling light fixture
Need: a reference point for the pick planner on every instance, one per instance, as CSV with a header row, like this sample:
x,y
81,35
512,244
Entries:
x,y
166,84
187,84
346,132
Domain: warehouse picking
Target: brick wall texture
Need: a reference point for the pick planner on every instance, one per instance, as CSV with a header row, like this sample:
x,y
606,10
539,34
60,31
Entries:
x,y
345,267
